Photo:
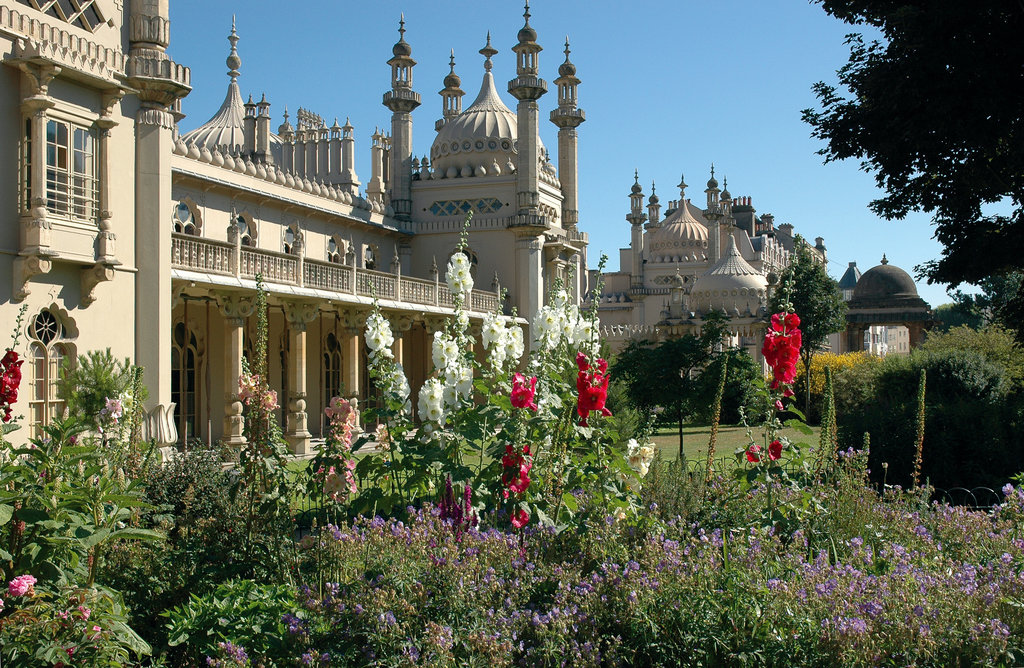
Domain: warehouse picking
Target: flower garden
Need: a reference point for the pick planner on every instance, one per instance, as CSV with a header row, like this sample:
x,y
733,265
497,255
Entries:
x,y
521,518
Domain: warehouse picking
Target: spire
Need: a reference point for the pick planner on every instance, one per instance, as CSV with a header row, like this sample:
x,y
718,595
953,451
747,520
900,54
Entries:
x,y
682,189
487,52
451,95
884,259
233,61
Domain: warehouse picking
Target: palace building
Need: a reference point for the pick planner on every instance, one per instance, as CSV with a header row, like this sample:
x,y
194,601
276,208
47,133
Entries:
x,y
124,231
722,257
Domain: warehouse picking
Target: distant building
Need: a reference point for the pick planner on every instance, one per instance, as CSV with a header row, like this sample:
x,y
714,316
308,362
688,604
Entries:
x,y
885,314
723,257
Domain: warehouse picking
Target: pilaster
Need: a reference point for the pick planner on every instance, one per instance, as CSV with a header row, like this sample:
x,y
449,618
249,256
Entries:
x,y
298,315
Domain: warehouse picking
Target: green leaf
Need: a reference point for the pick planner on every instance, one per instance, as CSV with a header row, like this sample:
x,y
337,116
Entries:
x,y
800,426
570,501
6,513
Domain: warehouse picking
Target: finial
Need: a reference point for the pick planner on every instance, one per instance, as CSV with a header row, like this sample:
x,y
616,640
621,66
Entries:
x,y
652,187
451,61
566,48
682,187
636,176
526,13
712,170
233,61
487,52
884,260
401,26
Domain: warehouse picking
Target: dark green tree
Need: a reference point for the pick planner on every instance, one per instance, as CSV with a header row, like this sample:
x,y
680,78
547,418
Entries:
x,y
816,298
666,374
932,108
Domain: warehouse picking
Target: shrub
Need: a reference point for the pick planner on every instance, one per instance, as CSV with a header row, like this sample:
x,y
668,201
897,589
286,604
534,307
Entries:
x,y
855,367
86,386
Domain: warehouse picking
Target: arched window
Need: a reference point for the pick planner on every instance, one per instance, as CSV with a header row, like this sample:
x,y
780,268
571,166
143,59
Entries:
x,y
246,229
369,256
47,351
185,380
186,218
332,368
336,250
291,234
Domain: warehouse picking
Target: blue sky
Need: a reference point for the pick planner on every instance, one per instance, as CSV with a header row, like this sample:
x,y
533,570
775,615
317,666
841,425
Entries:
x,y
668,88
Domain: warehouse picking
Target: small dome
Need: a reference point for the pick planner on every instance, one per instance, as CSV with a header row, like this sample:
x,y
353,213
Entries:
x,y
653,199
527,34
725,194
452,80
679,235
637,188
731,285
402,49
567,69
712,182
885,284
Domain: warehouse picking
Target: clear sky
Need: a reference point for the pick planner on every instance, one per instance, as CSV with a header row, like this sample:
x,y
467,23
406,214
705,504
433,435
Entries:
x,y
668,88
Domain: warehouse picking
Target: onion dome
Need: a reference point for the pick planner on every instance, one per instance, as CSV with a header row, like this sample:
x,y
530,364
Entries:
x,y
730,285
680,237
401,49
484,133
225,130
567,69
725,191
654,197
452,80
712,182
637,188
527,34
886,286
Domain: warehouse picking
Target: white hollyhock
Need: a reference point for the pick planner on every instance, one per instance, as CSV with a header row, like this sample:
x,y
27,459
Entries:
x,y
514,344
639,456
379,338
458,277
431,403
445,351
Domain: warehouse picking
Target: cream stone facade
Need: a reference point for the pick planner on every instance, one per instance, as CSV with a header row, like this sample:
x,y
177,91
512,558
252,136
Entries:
x,y
722,257
124,230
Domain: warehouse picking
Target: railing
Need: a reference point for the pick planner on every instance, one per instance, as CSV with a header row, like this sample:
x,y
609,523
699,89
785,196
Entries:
x,y
327,276
275,267
219,257
213,257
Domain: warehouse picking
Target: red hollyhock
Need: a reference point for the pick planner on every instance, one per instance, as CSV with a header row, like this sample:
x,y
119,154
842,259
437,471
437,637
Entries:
x,y
10,379
592,387
523,391
774,450
754,453
781,348
520,518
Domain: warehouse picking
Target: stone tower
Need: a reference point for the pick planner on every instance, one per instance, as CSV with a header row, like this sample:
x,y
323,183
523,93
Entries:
x,y
568,117
401,100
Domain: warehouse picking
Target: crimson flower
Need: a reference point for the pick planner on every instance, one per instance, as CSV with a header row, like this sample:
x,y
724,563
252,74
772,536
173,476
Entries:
x,y
753,453
523,391
774,450
520,518
592,387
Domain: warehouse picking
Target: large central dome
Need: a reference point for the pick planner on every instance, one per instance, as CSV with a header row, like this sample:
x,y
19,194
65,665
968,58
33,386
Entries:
x,y
480,138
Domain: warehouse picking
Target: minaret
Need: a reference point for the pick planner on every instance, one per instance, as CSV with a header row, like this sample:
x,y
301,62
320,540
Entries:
x,y
527,87
451,96
349,181
636,218
654,208
401,100
714,215
568,117
726,199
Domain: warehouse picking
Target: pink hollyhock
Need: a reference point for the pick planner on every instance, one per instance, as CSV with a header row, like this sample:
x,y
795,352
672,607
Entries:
x,y
753,453
523,391
520,518
774,450
23,585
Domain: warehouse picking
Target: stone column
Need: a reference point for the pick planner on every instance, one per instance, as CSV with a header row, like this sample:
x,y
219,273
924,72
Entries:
x,y
352,347
298,315
529,296
235,309
400,324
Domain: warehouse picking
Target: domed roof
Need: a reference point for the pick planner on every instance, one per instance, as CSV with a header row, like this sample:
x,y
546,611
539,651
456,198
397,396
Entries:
x,y
679,236
730,285
483,134
885,284
224,130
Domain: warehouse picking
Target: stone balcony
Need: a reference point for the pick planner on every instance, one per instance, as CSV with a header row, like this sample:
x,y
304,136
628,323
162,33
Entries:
x,y
342,282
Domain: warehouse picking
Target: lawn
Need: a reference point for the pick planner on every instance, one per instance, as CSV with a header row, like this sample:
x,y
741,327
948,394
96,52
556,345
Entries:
x,y
730,438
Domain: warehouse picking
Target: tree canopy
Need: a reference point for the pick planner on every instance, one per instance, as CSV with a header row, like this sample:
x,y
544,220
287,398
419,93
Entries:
x,y
933,108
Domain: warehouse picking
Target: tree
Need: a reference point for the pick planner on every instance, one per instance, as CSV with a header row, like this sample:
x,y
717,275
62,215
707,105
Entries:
x,y
664,374
815,296
933,109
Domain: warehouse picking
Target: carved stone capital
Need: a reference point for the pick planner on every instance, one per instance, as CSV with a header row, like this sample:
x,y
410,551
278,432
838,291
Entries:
x,y
93,276
353,319
25,268
37,75
401,322
234,305
300,314
433,323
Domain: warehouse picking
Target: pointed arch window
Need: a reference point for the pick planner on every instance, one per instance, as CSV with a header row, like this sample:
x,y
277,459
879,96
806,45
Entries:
x,y
185,362
48,349
332,368
186,218
247,231
337,251
370,256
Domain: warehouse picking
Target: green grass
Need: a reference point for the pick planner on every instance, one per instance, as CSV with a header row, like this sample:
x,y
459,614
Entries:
x,y
730,438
